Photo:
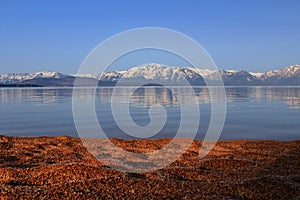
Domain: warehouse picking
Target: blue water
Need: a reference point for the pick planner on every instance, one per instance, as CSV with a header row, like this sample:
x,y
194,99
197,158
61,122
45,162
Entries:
x,y
252,112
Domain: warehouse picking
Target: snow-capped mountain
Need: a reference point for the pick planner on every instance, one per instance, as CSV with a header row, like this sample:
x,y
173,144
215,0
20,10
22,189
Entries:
x,y
287,76
111,76
45,79
159,74
232,77
176,75
288,72
16,78
166,74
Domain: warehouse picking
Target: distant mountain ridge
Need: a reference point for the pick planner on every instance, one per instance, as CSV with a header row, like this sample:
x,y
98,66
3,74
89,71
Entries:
x,y
160,74
15,78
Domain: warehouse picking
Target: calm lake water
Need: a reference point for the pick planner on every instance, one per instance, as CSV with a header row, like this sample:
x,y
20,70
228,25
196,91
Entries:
x,y
252,112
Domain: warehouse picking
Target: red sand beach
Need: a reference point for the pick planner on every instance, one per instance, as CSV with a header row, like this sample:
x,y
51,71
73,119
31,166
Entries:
x,y
62,168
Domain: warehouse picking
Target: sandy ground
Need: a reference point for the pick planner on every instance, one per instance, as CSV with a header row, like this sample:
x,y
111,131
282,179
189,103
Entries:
x,y
62,168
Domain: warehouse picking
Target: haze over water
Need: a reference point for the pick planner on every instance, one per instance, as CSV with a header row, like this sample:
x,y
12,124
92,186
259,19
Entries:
x,y
252,112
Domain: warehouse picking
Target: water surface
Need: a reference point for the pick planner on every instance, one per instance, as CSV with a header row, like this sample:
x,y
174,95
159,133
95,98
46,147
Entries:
x,y
252,112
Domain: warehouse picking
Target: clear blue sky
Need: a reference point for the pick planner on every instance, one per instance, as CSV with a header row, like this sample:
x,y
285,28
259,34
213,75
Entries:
x,y
56,35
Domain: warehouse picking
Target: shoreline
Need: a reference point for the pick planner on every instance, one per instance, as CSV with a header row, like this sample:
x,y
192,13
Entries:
x,y
150,139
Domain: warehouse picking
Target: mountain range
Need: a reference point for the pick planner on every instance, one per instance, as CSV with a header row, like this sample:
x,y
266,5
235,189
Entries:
x,y
157,74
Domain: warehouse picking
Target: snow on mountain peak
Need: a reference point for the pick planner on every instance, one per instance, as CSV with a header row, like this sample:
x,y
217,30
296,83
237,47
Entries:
x,y
293,68
257,74
287,72
14,77
157,71
172,74
150,72
46,74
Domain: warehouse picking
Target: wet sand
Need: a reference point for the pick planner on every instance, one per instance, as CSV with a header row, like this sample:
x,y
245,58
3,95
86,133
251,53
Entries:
x,y
62,168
